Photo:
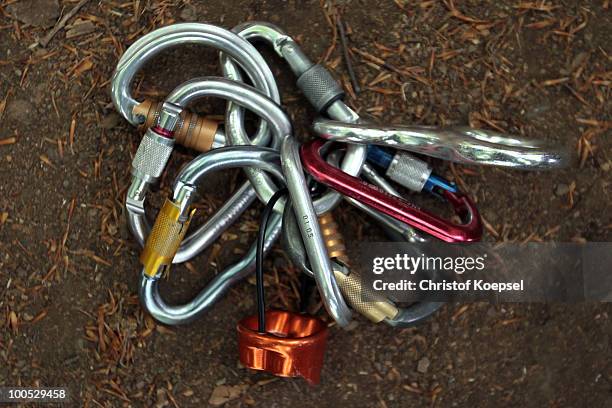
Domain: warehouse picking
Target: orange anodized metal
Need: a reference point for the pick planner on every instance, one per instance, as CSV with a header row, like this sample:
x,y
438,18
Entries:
x,y
292,346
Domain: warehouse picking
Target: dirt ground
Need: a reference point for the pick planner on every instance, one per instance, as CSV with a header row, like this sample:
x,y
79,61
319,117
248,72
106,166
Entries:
x,y
69,312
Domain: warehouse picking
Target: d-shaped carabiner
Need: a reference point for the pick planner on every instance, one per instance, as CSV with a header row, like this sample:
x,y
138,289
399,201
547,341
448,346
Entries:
x,y
395,207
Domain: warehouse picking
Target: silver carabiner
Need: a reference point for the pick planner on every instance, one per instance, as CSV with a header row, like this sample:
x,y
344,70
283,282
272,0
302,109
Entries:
x,y
154,151
399,231
267,109
458,144
166,233
367,302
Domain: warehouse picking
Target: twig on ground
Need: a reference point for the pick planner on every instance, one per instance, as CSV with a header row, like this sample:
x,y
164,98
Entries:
x,y
347,57
61,24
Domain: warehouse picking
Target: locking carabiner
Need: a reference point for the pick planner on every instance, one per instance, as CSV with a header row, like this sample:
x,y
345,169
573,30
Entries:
x,y
395,207
150,160
266,108
172,222
190,129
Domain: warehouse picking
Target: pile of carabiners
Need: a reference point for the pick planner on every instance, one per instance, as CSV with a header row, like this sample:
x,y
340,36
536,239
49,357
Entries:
x,y
281,173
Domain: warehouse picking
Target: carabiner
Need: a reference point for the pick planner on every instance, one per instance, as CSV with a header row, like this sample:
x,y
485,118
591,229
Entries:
x,y
459,144
395,207
190,130
292,169
169,230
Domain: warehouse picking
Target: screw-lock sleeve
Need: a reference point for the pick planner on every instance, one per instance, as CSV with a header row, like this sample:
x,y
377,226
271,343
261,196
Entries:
x,y
152,155
408,171
319,87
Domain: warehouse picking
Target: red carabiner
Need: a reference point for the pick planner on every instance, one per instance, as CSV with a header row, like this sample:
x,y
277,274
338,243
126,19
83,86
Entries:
x,y
393,206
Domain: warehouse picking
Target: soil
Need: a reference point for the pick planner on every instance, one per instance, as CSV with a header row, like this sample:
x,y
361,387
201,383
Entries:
x,y
69,271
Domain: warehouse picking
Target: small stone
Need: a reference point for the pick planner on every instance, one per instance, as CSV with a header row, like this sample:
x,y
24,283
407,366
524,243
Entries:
x,y
19,110
561,189
537,110
188,14
225,393
578,60
162,399
112,229
423,365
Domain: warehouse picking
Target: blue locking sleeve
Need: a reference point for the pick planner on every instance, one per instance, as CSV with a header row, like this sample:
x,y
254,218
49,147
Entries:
x,y
379,156
383,159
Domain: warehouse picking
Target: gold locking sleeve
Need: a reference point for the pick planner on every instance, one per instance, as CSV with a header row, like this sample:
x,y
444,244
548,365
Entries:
x,y
192,131
164,240
334,242
363,298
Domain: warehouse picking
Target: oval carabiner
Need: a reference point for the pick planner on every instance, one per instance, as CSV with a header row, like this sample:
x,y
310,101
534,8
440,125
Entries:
x,y
395,207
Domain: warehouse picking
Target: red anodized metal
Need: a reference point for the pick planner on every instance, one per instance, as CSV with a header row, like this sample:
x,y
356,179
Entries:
x,y
393,206
169,134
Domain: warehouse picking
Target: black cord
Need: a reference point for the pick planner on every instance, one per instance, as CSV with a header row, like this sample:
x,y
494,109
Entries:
x,y
261,237
306,284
